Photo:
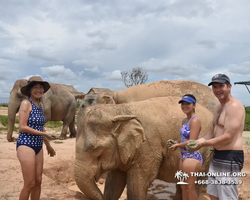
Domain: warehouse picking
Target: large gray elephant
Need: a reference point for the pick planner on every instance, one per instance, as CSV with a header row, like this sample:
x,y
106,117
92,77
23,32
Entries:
x,y
58,104
129,141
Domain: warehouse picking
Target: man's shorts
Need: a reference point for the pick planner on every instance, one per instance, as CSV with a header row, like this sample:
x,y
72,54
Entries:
x,y
230,161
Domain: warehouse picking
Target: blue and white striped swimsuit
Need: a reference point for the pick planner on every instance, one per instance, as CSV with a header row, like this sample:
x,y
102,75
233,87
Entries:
x,y
185,134
36,121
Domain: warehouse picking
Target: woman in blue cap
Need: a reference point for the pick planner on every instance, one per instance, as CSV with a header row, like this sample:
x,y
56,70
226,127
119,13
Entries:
x,y
190,161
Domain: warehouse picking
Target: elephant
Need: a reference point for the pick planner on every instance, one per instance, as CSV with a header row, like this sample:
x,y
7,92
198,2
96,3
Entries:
x,y
58,105
130,142
203,94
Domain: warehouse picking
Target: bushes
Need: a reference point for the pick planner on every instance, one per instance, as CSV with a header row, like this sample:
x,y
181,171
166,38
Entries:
x,y
4,122
247,119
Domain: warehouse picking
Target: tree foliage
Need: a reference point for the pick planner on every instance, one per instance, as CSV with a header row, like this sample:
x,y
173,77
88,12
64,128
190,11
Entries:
x,y
137,76
247,119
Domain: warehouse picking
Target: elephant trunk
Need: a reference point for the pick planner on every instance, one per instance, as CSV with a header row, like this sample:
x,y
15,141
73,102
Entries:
x,y
12,110
86,172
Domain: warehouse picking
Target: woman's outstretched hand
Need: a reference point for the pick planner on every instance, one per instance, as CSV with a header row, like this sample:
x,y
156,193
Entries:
x,y
50,150
172,144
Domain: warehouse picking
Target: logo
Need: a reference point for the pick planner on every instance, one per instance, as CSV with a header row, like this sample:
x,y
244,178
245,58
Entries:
x,y
217,75
181,176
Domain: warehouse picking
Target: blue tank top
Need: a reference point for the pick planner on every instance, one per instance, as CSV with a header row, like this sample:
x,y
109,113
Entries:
x,y
185,132
36,121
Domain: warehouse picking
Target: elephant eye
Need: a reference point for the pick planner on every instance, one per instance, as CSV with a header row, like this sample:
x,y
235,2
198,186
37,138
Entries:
x,y
90,101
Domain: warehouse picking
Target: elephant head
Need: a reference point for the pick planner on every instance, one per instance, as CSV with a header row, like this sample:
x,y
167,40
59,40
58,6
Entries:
x,y
104,142
15,100
95,98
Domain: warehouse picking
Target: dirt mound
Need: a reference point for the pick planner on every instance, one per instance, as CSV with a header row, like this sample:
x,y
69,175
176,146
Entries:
x,y
61,171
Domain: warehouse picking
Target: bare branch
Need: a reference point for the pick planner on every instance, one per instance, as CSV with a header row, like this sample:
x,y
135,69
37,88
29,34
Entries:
x,y
137,76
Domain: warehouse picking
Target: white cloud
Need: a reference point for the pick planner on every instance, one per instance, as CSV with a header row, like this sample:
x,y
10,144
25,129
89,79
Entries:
x,y
115,75
210,44
93,70
241,68
41,54
86,63
172,67
58,72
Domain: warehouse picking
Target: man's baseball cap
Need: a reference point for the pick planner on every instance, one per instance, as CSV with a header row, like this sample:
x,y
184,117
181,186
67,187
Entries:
x,y
219,78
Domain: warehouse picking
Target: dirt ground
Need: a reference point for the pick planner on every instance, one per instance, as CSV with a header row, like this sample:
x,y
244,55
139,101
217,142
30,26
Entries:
x,y
58,179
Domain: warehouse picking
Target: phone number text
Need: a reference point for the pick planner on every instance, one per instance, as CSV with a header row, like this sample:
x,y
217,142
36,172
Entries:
x,y
218,182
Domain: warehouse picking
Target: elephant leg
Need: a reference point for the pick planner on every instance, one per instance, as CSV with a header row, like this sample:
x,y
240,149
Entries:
x,y
178,194
66,123
64,132
114,185
72,129
140,178
11,124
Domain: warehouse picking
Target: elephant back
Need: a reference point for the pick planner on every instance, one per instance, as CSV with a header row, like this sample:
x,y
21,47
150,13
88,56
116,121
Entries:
x,y
203,93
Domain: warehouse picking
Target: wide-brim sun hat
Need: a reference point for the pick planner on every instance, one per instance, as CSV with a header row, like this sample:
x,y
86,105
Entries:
x,y
36,79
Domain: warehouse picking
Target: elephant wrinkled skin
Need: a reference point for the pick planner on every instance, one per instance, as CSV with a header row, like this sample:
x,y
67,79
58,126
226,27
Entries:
x,y
203,94
58,105
130,141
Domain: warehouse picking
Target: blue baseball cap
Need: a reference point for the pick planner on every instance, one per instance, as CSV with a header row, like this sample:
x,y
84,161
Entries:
x,y
187,99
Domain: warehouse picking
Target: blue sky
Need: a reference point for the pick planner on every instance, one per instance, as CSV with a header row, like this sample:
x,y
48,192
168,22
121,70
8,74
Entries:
x,y
87,43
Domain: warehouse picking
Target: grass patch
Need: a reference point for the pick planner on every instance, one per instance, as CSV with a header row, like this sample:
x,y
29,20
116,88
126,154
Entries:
x,y
4,105
3,129
17,120
53,124
4,120
58,142
247,119
78,103
248,147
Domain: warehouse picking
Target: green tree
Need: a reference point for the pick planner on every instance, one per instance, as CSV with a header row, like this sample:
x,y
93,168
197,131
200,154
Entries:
x,y
247,119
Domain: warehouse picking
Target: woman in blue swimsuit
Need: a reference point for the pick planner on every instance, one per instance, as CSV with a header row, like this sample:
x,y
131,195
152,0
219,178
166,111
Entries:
x,y
31,137
190,161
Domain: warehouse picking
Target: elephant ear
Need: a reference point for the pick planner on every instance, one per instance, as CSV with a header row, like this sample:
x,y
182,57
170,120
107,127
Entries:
x,y
108,99
49,93
19,85
130,134
19,92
